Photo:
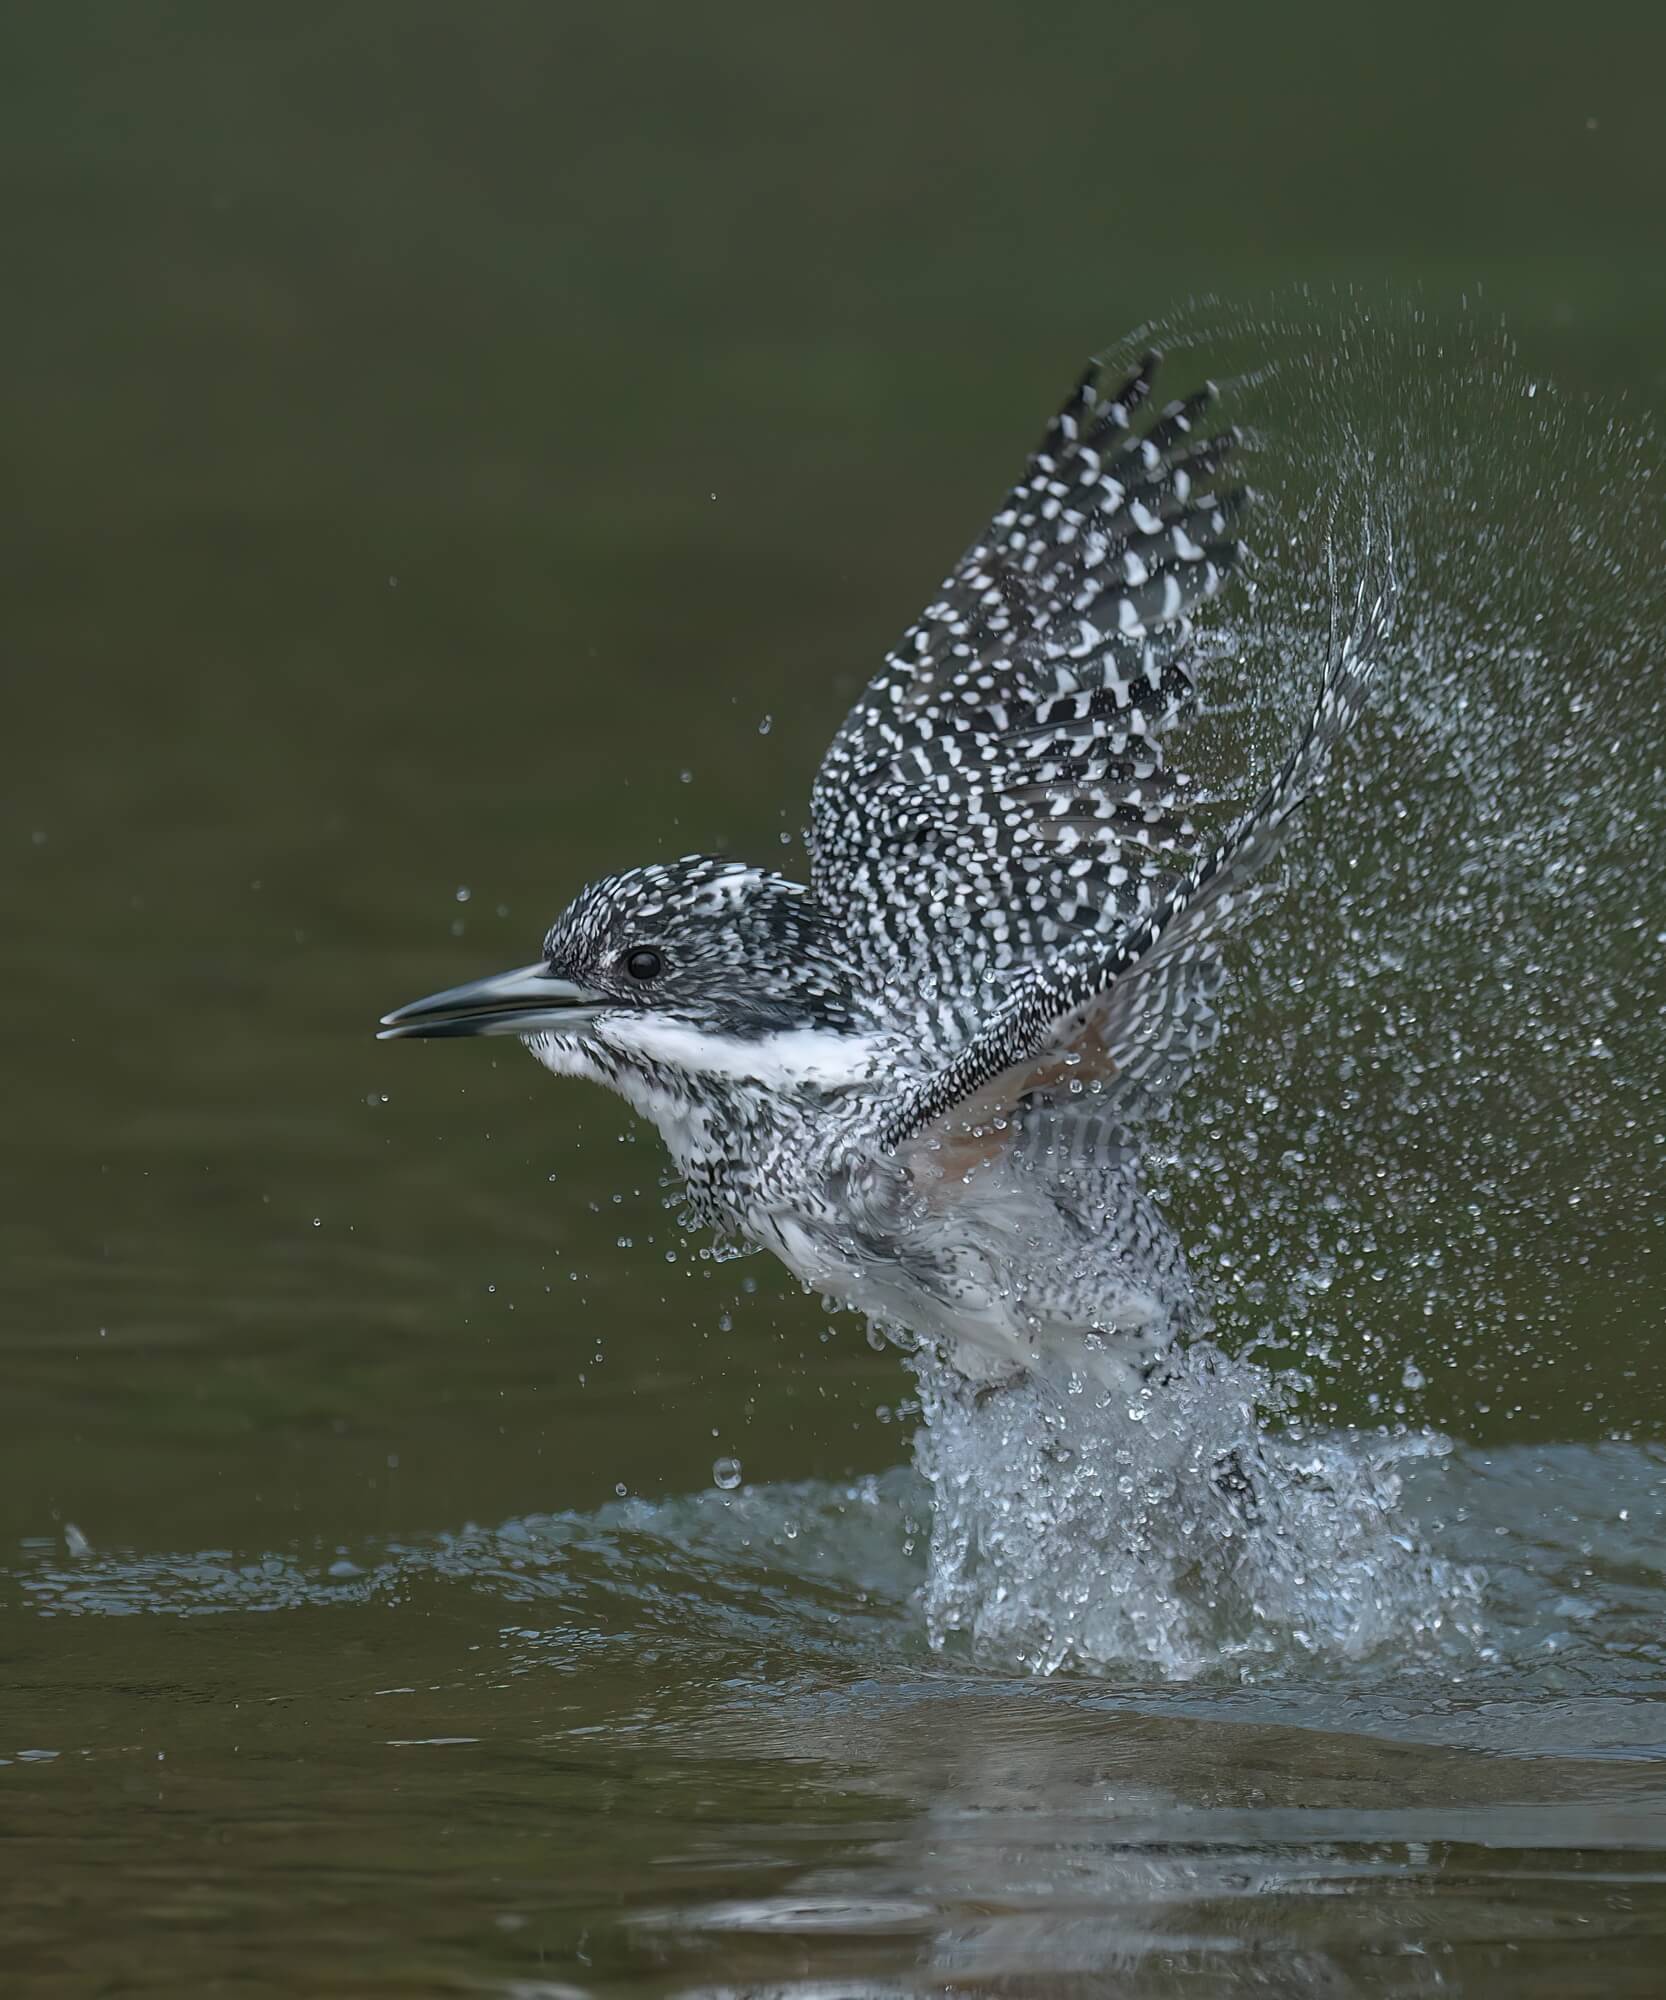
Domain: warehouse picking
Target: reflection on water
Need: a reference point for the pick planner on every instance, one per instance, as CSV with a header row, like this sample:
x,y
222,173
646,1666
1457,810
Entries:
x,y
1070,1842
443,439
738,1688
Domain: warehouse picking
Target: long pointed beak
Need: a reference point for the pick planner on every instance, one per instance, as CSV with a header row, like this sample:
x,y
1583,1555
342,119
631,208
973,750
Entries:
x,y
528,1001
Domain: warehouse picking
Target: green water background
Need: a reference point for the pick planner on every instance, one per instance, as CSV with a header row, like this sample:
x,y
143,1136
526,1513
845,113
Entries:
x,y
438,440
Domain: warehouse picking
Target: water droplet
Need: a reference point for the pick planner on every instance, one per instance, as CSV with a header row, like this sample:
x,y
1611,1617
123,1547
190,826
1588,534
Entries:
x,y
726,1474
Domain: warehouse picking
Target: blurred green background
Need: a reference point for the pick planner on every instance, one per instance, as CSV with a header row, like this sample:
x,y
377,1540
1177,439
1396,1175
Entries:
x,y
439,439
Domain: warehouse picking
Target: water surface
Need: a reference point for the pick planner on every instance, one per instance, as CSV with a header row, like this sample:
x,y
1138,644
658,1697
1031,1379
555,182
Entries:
x,y
442,447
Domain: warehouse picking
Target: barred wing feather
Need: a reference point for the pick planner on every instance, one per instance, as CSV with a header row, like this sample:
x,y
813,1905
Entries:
x,y
1000,787
1065,1069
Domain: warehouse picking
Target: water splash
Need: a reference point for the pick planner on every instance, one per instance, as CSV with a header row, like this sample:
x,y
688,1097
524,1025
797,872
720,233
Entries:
x,y
1424,1166
819,1579
1173,1529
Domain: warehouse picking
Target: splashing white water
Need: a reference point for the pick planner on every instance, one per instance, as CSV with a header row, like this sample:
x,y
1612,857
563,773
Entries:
x,y
1425,1161
1171,1529
1423,1166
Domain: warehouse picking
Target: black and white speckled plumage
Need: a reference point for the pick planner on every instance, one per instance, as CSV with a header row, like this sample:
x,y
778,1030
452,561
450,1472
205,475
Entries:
x,y
1000,786
920,1079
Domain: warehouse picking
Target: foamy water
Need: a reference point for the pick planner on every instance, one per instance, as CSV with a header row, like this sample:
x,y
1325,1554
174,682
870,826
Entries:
x,y
1173,1529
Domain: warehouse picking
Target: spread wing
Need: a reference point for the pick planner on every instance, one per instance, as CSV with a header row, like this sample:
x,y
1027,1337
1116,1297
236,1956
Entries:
x,y
1058,1077
1000,787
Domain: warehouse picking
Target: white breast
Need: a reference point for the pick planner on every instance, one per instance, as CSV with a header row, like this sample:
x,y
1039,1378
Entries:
x,y
806,1058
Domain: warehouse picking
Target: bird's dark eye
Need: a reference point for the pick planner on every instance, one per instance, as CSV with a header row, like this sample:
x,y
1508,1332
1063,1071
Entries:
x,y
645,963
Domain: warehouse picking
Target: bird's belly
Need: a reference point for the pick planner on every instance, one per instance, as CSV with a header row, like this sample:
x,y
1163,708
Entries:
x,y
985,1344
991,1299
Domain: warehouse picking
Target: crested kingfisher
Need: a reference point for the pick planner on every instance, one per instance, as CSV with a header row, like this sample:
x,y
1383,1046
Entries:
x,y
920,1078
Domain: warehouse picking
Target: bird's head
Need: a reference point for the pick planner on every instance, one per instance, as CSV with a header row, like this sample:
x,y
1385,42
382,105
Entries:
x,y
674,984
